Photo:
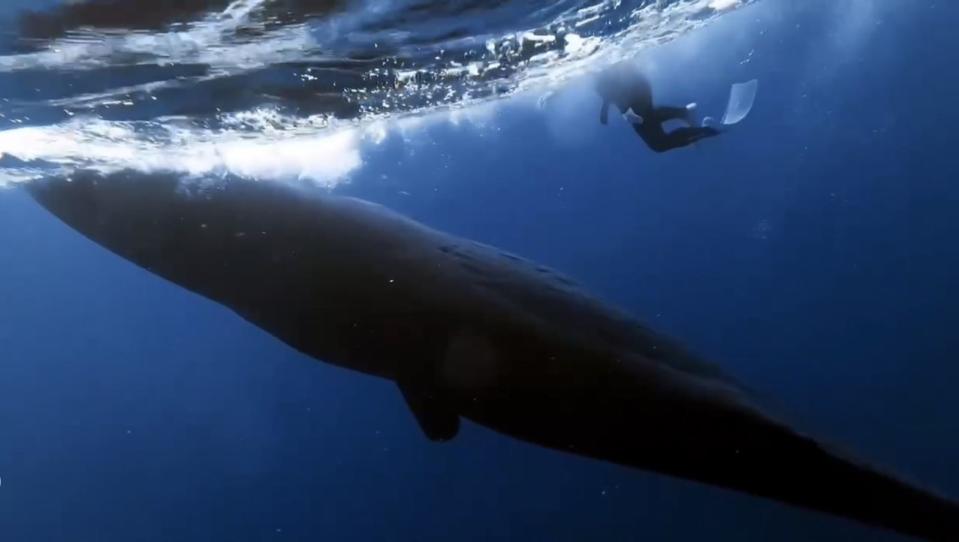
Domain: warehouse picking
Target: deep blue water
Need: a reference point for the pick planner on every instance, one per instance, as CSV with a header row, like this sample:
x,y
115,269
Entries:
x,y
811,251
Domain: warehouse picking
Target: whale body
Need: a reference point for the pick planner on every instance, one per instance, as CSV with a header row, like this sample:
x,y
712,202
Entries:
x,y
468,331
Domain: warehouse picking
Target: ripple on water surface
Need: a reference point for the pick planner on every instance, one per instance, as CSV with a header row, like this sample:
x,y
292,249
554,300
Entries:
x,y
285,88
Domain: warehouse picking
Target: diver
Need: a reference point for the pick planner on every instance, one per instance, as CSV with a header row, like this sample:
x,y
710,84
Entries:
x,y
628,89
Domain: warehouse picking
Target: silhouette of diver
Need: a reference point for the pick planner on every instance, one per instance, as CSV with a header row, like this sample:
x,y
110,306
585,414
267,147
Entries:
x,y
629,90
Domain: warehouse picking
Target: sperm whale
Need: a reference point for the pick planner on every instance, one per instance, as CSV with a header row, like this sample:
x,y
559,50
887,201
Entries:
x,y
468,331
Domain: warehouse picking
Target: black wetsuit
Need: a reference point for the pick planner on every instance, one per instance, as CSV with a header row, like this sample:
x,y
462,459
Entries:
x,y
627,89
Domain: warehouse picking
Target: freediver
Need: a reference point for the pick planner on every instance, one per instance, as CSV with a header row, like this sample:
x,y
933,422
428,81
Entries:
x,y
630,91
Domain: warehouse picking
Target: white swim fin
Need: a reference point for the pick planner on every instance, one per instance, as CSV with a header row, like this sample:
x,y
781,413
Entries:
x,y
741,99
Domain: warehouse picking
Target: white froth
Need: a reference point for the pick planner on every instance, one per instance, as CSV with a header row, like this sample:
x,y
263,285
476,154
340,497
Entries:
x,y
323,156
723,5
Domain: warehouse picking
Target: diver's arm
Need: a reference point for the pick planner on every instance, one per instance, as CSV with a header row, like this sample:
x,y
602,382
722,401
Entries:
x,y
633,118
604,113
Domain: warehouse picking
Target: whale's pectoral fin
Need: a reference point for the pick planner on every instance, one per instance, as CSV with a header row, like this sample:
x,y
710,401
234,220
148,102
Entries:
x,y
433,411
438,421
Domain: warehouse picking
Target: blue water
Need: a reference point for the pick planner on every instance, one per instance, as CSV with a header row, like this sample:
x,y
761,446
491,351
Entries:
x,y
811,251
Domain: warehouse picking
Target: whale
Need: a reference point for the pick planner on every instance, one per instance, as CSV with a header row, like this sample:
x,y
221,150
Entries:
x,y
469,332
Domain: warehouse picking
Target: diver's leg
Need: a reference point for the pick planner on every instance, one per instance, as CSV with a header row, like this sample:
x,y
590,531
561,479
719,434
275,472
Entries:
x,y
682,137
665,113
653,135
660,141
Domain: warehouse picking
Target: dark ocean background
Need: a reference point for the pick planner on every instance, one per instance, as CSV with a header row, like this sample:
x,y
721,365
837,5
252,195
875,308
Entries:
x,y
811,252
